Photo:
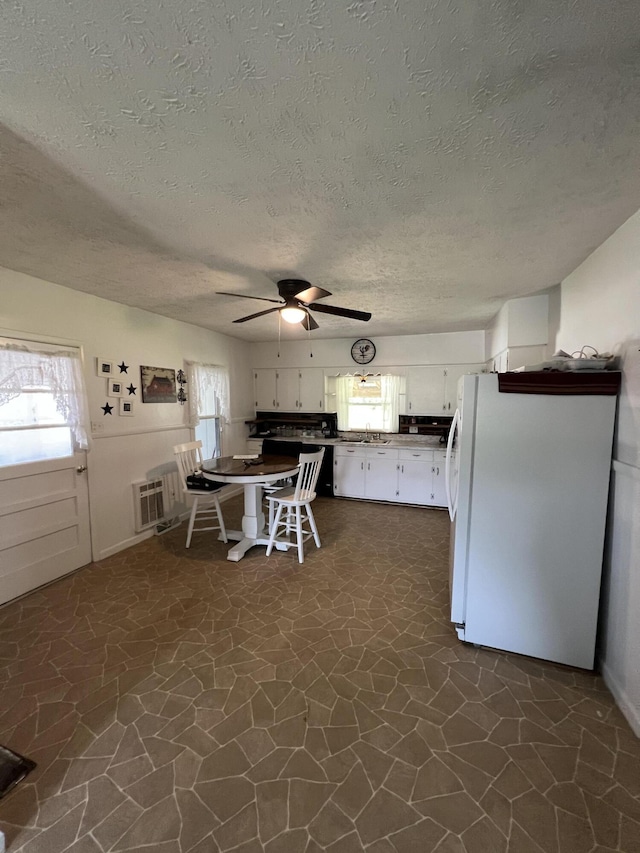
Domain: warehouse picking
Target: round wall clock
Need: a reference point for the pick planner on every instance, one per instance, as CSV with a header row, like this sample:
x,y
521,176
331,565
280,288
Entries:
x,y
363,351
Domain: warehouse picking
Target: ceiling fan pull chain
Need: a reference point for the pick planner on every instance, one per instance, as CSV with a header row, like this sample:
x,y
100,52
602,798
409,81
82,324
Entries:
x,y
279,321
309,336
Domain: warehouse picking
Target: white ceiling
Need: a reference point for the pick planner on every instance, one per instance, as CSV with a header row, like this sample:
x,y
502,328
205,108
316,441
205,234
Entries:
x,y
423,161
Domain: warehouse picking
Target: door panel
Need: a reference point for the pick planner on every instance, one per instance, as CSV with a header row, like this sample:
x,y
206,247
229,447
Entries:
x,y
44,523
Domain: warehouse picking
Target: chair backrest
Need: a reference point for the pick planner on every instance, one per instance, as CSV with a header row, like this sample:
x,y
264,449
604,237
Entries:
x,y
188,458
308,474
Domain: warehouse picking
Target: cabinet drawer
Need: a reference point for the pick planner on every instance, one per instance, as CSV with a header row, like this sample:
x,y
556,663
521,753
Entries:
x,y
341,450
381,452
417,453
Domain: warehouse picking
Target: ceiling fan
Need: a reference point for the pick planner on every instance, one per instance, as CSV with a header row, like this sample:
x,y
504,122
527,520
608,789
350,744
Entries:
x,y
297,298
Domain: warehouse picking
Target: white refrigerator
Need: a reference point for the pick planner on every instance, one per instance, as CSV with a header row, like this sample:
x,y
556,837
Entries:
x,y
527,486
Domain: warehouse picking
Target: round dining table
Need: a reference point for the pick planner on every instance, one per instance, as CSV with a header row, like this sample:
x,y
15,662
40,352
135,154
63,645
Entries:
x,y
252,474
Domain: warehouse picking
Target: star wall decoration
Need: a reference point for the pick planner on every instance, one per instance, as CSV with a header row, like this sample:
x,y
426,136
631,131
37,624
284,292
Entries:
x,y
123,367
107,409
131,388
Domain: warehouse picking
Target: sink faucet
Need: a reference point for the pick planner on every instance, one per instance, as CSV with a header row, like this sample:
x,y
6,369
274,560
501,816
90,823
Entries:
x,y
366,431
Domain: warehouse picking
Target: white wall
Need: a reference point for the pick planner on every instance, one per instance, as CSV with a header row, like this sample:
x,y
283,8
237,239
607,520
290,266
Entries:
x,y
398,351
125,449
520,323
600,306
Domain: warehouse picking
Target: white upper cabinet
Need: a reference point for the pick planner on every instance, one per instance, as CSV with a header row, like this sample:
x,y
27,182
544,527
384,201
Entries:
x,y
425,390
432,390
265,389
289,389
453,372
311,389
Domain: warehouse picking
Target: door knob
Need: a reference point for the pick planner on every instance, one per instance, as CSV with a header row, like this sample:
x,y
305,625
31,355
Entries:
x,y
81,469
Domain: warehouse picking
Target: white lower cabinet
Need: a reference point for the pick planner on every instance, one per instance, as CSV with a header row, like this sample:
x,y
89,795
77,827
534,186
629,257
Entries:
x,y
438,490
348,472
414,476
381,474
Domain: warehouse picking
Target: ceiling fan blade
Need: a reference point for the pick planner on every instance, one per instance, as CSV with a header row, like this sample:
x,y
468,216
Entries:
x,y
312,293
309,323
244,296
341,312
253,316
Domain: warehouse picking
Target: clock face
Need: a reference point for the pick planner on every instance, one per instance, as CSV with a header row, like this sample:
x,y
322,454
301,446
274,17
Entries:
x,y
363,351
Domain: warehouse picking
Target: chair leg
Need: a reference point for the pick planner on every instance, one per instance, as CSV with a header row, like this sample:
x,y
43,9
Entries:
x,y
271,515
274,528
299,534
192,520
312,524
223,529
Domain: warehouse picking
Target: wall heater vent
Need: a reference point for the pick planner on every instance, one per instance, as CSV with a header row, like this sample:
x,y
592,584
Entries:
x,y
149,503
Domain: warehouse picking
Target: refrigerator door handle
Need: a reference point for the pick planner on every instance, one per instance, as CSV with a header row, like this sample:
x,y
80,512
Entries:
x,y
451,501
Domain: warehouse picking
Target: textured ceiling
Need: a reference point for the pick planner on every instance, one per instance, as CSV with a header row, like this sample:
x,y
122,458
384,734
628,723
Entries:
x,y
423,161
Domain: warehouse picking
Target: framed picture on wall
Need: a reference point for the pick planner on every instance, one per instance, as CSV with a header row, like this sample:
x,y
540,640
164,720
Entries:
x,y
158,385
104,367
126,408
116,388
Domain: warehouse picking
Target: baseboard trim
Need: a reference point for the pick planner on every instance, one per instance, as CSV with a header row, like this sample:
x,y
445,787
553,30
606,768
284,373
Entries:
x,y
631,713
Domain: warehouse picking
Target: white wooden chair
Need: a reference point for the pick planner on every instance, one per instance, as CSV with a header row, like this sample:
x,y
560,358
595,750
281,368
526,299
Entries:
x,y
293,507
206,504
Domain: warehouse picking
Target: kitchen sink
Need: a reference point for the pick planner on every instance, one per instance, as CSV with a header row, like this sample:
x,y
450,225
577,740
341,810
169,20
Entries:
x,y
364,441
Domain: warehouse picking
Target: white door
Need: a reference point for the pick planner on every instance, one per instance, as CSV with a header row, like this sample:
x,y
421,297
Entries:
x,y
44,523
381,481
349,475
311,389
287,389
414,484
265,389
425,390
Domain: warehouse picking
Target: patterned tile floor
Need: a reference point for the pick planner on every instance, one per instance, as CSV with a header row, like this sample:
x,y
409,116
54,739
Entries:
x,y
177,702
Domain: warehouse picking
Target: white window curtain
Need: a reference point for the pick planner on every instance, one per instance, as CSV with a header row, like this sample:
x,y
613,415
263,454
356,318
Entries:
x,y
207,392
386,403
391,387
28,368
343,393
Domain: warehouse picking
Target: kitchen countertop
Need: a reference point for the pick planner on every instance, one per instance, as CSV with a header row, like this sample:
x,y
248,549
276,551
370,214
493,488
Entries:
x,y
428,442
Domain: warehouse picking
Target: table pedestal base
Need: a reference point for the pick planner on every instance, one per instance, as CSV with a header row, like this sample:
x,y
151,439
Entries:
x,y
238,551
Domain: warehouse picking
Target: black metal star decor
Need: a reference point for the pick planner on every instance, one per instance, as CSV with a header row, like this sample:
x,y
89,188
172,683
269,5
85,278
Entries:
x,y
131,388
123,367
107,409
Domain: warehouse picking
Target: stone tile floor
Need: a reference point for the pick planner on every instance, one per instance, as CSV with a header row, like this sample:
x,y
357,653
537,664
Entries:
x,y
177,702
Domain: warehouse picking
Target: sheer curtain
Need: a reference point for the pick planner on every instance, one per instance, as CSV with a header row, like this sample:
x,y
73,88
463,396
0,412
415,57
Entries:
x,y
207,392
390,387
343,392
379,409
34,368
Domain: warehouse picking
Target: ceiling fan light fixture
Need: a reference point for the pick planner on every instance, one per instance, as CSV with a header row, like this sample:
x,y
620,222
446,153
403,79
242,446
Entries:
x,y
292,314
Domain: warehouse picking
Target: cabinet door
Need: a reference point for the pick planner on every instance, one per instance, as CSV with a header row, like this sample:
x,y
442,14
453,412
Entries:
x,y
453,374
265,389
348,480
381,479
415,482
438,492
287,389
311,394
425,390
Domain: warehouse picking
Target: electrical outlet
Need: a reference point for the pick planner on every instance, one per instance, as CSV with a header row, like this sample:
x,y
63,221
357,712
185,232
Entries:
x,y
97,426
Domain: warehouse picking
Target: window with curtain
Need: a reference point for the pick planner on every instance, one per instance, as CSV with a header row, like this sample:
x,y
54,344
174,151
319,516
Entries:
x,y
42,402
208,395
368,402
